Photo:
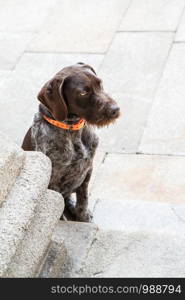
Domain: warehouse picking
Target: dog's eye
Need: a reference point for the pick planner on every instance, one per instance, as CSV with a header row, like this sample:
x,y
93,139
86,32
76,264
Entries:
x,y
85,91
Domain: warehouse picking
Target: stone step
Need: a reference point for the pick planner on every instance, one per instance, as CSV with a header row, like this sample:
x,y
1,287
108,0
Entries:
x,y
140,211
135,254
143,192
19,209
139,215
11,162
34,245
77,238
93,252
56,258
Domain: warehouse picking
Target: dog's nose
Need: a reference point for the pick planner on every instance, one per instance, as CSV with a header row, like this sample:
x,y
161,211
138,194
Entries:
x,y
115,111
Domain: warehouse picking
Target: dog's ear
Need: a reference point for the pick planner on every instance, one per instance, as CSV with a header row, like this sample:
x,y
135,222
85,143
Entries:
x,y
87,67
51,95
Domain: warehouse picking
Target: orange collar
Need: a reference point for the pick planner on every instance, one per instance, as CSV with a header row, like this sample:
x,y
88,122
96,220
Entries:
x,y
63,125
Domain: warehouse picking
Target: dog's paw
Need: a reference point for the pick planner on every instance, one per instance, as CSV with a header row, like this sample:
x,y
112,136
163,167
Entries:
x,y
84,216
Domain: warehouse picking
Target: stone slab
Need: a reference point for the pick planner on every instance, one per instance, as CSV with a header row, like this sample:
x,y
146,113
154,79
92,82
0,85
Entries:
x,y
130,75
18,93
3,75
180,34
56,257
11,162
134,63
141,178
136,254
23,16
17,212
32,248
89,30
78,239
133,215
164,132
149,15
98,160
12,45
123,136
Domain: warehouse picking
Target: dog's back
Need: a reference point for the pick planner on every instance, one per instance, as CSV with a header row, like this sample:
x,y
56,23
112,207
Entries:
x,y
27,142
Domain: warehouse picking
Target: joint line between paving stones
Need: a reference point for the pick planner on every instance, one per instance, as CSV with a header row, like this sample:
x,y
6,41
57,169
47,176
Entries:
x,y
83,264
175,213
64,52
95,205
159,154
117,254
177,27
97,171
145,153
104,158
146,31
178,42
20,56
113,37
155,92
17,61
180,18
119,23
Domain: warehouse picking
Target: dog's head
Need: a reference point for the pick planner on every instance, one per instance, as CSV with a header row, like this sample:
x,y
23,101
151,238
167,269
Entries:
x,y
76,90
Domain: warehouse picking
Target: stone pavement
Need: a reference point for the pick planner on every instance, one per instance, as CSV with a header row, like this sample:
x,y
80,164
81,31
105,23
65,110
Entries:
x,y
138,49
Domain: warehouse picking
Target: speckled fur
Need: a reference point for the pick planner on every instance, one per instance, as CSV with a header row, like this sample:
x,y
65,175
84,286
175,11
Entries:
x,y
71,154
73,93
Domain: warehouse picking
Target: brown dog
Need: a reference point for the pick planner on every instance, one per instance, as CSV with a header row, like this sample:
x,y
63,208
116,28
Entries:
x,y
72,102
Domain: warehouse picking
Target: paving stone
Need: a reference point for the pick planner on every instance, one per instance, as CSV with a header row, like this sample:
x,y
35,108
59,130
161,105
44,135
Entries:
x,y
164,132
89,30
50,63
141,178
130,214
149,15
32,248
18,211
180,34
78,239
18,94
98,160
3,75
137,198
134,63
56,257
136,254
123,136
21,16
131,74
11,48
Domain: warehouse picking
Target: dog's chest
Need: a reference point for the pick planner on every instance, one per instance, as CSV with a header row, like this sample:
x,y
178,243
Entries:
x,y
71,154
71,162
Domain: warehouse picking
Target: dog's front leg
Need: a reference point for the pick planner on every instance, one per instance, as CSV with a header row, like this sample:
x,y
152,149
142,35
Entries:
x,y
82,212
